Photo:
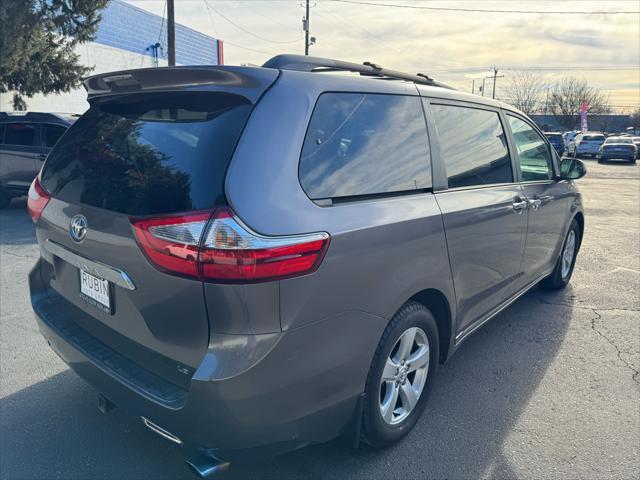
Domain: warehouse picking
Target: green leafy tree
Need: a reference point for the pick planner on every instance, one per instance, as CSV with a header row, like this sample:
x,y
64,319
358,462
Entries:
x,y
37,44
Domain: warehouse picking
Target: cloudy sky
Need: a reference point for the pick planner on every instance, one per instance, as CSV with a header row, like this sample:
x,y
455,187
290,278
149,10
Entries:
x,y
439,37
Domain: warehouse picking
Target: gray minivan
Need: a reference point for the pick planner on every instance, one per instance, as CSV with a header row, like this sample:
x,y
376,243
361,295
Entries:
x,y
25,140
257,259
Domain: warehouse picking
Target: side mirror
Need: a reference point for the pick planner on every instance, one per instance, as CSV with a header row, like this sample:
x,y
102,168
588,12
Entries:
x,y
572,168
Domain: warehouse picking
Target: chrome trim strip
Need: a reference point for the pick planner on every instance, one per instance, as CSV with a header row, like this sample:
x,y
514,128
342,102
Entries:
x,y
161,431
115,275
475,326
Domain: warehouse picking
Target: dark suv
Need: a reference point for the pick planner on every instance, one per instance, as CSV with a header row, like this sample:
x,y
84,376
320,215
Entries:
x,y
25,140
263,258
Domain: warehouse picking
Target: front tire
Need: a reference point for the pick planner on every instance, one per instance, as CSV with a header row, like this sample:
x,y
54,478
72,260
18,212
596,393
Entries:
x,y
563,270
401,375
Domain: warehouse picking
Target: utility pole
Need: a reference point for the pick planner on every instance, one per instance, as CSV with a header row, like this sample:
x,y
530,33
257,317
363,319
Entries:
x,y
473,86
171,32
305,24
495,75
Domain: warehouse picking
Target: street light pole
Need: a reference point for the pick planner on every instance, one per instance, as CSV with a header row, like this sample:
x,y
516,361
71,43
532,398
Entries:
x,y
306,29
171,32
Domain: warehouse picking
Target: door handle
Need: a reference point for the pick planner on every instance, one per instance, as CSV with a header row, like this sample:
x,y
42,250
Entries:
x,y
535,203
519,204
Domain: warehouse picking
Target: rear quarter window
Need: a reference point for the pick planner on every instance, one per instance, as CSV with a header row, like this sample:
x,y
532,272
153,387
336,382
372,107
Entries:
x,y
52,134
149,153
365,144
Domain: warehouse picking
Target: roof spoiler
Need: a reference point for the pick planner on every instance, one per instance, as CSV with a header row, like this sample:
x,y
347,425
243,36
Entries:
x,y
248,82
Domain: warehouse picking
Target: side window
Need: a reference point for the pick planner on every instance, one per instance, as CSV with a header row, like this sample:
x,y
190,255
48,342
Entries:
x,y
52,133
473,145
22,134
364,144
534,156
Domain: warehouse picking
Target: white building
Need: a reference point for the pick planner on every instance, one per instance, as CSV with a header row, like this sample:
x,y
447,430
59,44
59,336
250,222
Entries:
x,y
127,37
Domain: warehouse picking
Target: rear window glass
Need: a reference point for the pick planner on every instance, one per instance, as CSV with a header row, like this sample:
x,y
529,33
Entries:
x,y
364,144
592,138
473,146
148,154
554,136
22,134
618,140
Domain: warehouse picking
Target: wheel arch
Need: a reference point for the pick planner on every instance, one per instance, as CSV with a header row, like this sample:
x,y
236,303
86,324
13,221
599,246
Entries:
x,y
439,306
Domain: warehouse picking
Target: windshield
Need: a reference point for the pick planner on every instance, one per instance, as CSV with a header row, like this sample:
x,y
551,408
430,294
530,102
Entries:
x,y
148,153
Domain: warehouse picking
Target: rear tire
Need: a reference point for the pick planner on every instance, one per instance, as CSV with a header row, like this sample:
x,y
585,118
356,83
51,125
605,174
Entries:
x,y
413,372
563,270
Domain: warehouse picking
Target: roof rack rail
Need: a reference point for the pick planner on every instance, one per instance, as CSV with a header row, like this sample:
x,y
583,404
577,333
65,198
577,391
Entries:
x,y
304,63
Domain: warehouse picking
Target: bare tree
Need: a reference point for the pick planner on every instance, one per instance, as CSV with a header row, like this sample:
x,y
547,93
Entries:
x,y
634,119
566,98
525,91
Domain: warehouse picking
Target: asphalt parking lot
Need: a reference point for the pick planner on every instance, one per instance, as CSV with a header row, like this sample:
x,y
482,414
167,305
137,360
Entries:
x,y
549,389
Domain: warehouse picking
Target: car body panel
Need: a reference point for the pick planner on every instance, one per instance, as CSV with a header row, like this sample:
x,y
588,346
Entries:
x,y
233,367
485,239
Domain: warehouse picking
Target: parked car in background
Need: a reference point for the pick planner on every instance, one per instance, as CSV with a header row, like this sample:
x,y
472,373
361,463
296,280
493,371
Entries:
x,y
555,138
586,144
636,142
568,137
289,260
25,140
618,148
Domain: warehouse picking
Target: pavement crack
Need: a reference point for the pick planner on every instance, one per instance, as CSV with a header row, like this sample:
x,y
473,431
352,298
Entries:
x,y
635,375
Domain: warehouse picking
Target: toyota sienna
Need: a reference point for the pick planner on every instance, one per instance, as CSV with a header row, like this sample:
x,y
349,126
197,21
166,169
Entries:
x,y
257,259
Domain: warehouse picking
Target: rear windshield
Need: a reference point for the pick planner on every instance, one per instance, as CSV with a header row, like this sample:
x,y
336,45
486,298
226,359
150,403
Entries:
x,y
618,140
148,154
593,138
554,136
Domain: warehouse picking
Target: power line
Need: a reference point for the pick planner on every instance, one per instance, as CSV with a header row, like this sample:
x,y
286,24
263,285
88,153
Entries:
x,y
213,24
249,32
164,12
603,68
478,10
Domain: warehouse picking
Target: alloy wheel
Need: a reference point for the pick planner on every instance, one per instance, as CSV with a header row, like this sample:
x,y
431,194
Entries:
x,y
404,376
568,253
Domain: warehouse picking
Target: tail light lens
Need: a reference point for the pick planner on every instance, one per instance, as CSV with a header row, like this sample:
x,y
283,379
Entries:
x,y
172,243
37,199
218,247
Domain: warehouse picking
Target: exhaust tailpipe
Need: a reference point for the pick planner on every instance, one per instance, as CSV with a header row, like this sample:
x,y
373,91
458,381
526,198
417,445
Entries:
x,y
207,467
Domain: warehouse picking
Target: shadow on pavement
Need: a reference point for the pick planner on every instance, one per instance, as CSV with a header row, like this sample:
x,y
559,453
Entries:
x,y
53,429
16,228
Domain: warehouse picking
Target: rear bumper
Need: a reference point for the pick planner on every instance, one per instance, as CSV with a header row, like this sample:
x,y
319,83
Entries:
x,y
617,156
300,387
587,150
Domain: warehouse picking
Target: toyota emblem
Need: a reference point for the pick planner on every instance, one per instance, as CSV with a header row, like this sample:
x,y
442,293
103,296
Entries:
x,y
78,228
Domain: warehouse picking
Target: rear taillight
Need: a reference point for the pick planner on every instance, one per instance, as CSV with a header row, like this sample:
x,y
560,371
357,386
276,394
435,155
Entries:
x,y
37,199
218,247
